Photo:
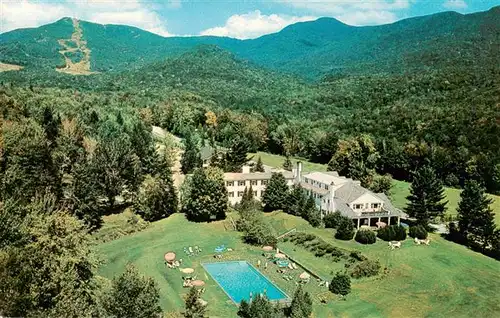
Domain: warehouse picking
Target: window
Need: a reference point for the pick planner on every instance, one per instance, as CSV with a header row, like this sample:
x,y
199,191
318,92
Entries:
x,y
326,187
229,183
241,183
255,193
253,182
375,205
240,194
263,182
231,194
358,206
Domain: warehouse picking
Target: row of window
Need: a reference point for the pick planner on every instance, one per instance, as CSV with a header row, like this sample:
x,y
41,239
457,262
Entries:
x,y
360,206
316,183
244,183
240,194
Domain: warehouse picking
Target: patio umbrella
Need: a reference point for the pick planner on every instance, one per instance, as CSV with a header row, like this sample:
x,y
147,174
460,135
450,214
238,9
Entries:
x,y
198,283
267,248
187,270
381,224
170,256
279,255
305,275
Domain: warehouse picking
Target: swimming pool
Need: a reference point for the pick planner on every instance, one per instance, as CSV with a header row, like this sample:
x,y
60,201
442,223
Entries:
x,y
238,279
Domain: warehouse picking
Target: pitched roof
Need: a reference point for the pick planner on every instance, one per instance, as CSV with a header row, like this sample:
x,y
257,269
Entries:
x,y
389,207
343,208
350,191
235,176
314,189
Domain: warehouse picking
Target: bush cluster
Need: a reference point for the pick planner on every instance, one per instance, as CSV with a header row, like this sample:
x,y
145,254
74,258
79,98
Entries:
x,y
365,237
392,233
316,245
419,232
345,229
366,268
332,220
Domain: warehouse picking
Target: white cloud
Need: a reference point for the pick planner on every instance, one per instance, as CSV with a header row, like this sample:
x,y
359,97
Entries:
x,y
455,4
355,12
254,24
25,13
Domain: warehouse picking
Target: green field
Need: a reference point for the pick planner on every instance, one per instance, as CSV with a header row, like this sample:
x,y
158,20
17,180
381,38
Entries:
x,y
440,280
400,189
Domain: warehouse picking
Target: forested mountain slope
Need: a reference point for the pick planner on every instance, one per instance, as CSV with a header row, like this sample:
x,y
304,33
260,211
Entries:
x,y
309,49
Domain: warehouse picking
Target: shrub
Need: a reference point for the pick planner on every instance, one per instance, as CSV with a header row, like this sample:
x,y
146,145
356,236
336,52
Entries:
x,y
419,232
365,237
345,230
332,220
357,256
392,233
366,268
341,284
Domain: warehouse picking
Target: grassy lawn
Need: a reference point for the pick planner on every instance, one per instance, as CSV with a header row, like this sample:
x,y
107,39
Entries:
x,y
440,280
400,189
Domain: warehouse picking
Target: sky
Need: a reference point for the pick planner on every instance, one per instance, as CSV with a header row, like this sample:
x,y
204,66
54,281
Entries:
x,y
241,19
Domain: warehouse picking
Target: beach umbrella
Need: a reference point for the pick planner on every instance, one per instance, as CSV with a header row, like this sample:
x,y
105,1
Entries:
x,y
198,283
279,255
305,275
170,256
187,270
267,248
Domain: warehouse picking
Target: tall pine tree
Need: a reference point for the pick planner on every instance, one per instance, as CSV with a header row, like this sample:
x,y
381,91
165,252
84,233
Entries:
x,y
236,157
259,166
475,217
287,164
301,306
276,194
191,159
425,201
296,200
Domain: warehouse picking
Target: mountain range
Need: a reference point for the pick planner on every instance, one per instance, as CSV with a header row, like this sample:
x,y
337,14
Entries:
x,y
308,49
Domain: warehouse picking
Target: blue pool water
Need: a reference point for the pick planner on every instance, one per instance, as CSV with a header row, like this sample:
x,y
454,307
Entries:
x,y
239,279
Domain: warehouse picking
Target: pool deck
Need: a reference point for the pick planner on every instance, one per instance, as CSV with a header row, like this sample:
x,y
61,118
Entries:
x,y
286,299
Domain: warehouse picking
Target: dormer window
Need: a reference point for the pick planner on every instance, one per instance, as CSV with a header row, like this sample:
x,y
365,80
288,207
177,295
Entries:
x,y
357,206
375,205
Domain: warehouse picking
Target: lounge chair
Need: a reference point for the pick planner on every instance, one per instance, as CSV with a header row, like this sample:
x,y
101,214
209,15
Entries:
x,y
190,250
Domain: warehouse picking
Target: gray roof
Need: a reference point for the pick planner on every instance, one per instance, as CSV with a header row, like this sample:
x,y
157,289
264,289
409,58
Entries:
x,y
389,207
343,208
314,189
350,191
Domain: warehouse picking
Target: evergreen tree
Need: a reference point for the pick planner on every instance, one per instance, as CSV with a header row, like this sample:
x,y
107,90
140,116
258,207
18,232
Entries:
x,y
259,166
301,306
345,229
237,156
132,296
51,125
276,194
426,196
207,198
244,309
310,212
248,202
261,307
194,307
341,284
296,200
191,159
287,164
475,217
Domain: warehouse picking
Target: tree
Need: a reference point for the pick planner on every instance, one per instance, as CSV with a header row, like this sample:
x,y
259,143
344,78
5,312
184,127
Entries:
x,y
365,237
276,193
132,295
259,307
50,125
310,212
236,157
207,198
418,232
475,217
381,184
355,158
301,306
296,200
244,309
51,274
332,220
341,284
287,164
345,229
247,201
259,167
156,199
191,159
194,307
426,197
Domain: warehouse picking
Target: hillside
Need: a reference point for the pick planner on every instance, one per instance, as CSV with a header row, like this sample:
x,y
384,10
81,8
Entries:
x,y
309,49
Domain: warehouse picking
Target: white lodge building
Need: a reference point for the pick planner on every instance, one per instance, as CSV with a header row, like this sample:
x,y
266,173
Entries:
x,y
330,191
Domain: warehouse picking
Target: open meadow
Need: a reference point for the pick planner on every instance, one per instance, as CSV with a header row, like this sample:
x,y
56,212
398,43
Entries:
x,y
440,280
